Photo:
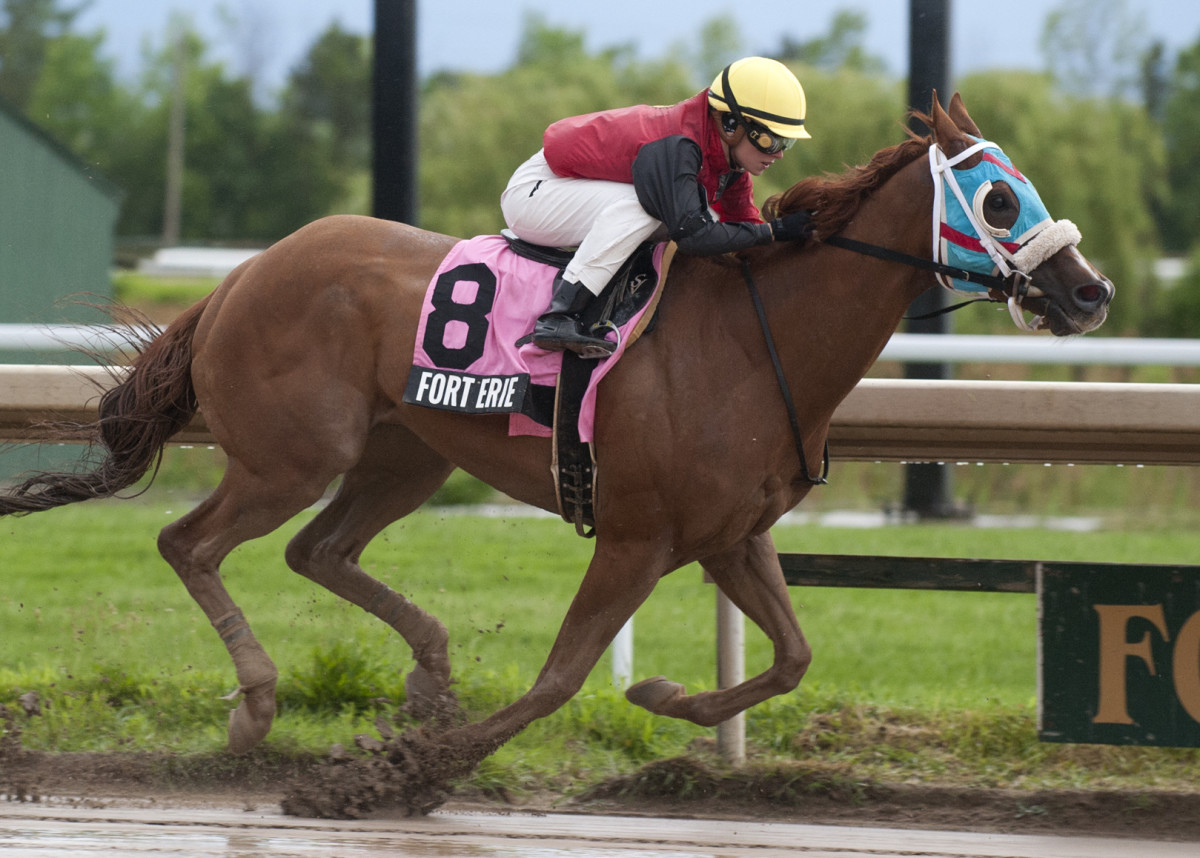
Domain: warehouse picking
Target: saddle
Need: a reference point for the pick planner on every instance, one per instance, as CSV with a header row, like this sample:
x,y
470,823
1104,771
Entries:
x,y
574,461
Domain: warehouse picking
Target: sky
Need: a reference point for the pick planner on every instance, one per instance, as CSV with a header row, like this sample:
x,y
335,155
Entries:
x,y
482,35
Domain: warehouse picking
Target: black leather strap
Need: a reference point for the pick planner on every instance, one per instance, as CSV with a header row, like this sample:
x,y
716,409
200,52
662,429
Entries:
x,y
988,280
797,436
575,467
556,256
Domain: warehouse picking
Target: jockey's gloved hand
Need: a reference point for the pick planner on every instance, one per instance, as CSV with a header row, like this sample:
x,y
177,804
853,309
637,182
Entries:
x,y
792,227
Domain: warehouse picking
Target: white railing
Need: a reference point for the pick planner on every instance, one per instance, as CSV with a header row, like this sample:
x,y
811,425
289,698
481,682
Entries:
x,y
986,348
57,338
906,348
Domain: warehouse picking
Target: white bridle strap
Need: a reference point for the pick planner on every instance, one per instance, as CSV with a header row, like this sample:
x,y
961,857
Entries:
x,y
942,168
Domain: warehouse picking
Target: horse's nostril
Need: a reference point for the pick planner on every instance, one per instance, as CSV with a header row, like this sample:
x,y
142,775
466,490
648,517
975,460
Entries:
x,y
1092,293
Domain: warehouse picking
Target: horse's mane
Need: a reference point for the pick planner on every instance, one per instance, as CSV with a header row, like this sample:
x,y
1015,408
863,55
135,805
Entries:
x,y
835,198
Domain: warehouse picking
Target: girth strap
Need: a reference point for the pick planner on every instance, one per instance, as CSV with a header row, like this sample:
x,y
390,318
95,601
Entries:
x,y
574,462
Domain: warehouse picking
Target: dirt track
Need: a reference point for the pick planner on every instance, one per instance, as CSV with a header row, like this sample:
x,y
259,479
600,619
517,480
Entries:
x,y
55,828
236,812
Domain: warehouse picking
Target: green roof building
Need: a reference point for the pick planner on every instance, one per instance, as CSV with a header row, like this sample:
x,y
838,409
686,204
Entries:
x,y
58,216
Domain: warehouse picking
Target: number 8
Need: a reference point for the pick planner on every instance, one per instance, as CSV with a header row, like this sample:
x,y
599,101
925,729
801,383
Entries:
x,y
473,315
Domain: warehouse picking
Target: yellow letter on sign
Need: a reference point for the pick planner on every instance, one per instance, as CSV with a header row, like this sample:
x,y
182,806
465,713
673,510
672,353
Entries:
x,y
1115,649
1186,666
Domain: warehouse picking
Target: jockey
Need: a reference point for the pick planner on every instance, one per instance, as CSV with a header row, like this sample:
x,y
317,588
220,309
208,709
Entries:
x,y
608,181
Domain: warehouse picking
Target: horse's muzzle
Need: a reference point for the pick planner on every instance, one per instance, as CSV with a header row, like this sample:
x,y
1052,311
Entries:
x,y
1083,309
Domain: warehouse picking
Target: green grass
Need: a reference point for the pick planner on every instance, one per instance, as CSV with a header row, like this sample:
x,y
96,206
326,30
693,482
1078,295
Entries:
x,y
145,290
93,595
918,685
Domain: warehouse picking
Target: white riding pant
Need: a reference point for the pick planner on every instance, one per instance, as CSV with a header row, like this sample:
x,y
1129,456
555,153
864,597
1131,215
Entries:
x,y
603,219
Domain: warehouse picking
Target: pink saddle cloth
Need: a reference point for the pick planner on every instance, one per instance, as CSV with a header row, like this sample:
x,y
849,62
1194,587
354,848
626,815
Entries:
x,y
482,300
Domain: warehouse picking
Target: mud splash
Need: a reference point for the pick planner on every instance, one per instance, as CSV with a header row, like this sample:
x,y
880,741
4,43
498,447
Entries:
x,y
414,772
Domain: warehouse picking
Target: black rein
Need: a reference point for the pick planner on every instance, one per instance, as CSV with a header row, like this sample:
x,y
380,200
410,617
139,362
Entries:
x,y
797,437
989,281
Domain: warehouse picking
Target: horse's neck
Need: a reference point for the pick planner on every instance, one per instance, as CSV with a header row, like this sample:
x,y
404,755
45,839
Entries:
x,y
840,307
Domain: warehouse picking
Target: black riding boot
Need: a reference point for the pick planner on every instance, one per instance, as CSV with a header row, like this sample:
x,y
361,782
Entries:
x,y
558,329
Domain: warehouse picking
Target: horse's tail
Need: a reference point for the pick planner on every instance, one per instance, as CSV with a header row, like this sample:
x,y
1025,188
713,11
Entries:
x,y
152,402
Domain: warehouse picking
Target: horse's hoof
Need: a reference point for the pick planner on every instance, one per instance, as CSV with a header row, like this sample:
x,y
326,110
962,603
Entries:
x,y
654,693
251,721
428,697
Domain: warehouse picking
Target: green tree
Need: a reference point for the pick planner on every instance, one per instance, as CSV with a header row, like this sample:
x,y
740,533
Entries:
x,y
1094,47
1181,131
719,43
841,50
1177,308
328,94
27,29
250,173
78,101
1155,80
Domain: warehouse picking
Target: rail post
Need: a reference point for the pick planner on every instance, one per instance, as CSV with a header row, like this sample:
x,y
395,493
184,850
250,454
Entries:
x,y
928,486
731,671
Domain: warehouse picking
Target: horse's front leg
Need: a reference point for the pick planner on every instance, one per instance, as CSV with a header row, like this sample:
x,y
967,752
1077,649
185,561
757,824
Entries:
x,y
617,581
750,575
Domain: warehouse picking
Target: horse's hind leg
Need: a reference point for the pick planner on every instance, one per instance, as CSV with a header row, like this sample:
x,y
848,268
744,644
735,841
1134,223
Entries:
x,y
396,474
750,575
244,506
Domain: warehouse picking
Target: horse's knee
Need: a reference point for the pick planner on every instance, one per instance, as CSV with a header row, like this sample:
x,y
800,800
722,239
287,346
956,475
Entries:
x,y
550,692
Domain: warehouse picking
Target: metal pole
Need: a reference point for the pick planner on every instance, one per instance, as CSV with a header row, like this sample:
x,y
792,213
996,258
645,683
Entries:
x,y
176,134
622,656
395,102
928,487
731,671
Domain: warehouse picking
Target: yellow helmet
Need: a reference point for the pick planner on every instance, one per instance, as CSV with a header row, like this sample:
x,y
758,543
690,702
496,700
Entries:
x,y
762,92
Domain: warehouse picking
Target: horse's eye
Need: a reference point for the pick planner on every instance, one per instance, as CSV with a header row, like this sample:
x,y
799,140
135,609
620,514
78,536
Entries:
x,y
997,202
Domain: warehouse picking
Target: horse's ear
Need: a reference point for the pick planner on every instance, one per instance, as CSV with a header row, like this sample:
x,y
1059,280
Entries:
x,y
958,113
945,131
950,138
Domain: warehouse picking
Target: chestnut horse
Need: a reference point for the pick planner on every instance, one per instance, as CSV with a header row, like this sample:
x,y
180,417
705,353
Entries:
x,y
299,362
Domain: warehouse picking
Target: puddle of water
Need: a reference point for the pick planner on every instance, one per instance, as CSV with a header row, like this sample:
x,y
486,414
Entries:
x,y
70,839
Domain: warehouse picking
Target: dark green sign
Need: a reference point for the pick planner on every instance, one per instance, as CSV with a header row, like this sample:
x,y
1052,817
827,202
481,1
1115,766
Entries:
x,y
1119,654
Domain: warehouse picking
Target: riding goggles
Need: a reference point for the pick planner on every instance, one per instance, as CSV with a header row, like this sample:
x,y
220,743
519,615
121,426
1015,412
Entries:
x,y
764,139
